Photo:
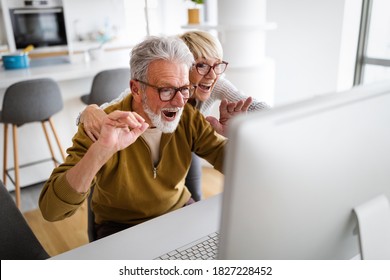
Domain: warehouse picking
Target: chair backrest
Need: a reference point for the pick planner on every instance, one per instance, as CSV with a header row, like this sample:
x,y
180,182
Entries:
x,y
108,84
17,241
31,101
91,219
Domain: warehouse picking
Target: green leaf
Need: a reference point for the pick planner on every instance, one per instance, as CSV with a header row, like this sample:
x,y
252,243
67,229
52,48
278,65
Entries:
x,y
198,1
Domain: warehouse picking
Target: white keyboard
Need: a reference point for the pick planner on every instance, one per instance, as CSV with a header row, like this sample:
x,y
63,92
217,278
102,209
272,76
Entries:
x,y
201,249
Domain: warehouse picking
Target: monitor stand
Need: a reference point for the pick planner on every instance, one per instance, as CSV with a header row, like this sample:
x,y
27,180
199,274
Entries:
x,y
374,228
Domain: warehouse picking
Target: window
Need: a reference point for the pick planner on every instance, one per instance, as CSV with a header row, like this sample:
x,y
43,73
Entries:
x,y
373,56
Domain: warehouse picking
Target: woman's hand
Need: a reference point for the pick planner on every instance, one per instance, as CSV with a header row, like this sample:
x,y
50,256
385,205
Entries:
x,y
92,119
229,109
226,111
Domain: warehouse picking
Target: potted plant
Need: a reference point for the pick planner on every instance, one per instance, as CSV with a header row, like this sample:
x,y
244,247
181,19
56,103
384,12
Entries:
x,y
194,13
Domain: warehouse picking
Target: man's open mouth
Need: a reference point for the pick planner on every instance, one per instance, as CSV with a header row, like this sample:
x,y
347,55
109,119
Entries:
x,y
170,113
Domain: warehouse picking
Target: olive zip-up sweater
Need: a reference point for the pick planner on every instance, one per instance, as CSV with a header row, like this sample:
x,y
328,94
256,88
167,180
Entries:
x,y
129,189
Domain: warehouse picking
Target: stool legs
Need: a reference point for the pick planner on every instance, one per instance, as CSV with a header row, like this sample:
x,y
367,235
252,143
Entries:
x,y
16,165
16,156
5,143
49,144
57,139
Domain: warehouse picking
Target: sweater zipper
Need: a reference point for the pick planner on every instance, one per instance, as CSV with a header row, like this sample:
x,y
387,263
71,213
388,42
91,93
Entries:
x,y
154,168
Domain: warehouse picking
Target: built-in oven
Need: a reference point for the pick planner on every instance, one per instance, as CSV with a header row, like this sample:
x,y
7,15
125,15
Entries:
x,y
40,23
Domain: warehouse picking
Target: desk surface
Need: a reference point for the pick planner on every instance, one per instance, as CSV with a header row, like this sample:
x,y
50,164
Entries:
x,y
77,69
155,237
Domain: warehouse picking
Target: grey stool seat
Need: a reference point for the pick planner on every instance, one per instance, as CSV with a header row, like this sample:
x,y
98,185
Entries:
x,y
107,85
17,240
27,102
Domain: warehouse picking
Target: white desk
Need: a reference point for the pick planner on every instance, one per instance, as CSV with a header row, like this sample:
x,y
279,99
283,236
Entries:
x,y
155,237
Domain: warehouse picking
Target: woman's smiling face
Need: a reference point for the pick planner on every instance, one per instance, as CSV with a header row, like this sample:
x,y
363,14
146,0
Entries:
x,y
205,83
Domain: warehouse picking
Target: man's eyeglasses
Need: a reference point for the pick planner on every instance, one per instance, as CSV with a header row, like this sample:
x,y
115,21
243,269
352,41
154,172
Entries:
x,y
168,93
203,68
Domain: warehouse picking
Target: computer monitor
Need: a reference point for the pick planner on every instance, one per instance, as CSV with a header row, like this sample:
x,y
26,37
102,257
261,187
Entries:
x,y
294,174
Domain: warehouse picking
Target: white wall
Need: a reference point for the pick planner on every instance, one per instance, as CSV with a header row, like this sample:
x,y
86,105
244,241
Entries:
x,y
307,46
242,32
89,16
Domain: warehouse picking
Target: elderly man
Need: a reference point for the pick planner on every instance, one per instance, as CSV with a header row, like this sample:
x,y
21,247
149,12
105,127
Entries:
x,y
138,165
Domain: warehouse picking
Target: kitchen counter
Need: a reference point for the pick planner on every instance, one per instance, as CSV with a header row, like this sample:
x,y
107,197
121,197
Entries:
x,y
78,68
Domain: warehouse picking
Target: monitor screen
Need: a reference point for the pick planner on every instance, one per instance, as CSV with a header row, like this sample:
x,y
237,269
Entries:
x,y
294,174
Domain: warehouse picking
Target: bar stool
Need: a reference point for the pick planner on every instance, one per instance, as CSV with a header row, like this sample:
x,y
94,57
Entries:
x,y
26,102
107,85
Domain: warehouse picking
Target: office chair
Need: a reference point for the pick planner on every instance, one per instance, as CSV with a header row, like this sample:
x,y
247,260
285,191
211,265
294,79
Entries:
x,y
17,240
26,102
107,85
90,218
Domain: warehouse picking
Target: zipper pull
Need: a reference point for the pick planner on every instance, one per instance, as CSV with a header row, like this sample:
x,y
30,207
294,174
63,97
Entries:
x,y
154,172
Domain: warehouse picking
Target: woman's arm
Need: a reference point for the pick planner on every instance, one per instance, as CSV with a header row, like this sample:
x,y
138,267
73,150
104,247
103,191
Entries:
x,y
116,100
224,89
92,116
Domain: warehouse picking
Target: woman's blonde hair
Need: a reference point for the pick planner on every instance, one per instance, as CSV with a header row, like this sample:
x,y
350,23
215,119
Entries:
x,y
202,44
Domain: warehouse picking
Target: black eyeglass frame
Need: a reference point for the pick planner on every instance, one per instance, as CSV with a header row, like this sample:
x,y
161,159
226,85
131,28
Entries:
x,y
212,67
191,89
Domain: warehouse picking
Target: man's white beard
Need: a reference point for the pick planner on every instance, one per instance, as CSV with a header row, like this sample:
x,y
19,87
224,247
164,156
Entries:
x,y
158,121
